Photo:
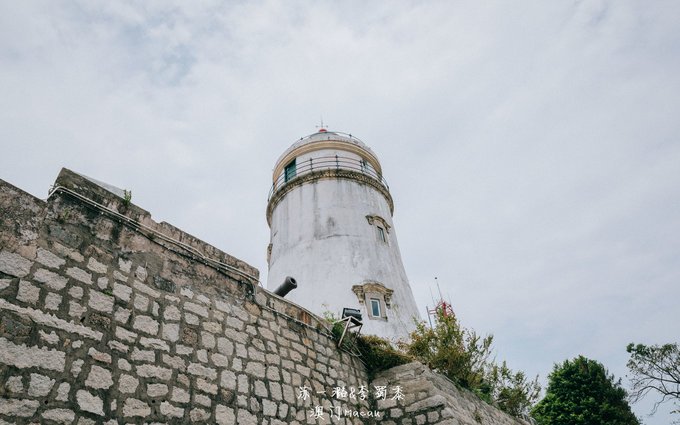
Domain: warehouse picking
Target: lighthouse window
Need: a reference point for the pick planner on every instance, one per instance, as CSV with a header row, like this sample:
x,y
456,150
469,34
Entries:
x,y
375,307
290,171
381,234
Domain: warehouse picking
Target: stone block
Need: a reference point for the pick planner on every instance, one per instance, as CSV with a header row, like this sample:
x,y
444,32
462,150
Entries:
x,y
125,334
103,282
168,409
207,340
90,403
28,293
99,378
80,275
99,356
224,415
156,390
154,343
202,400
122,292
14,264
200,370
52,301
269,408
101,302
133,407
14,384
76,367
62,391
151,371
127,384
18,408
141,302
121,315
179,395
206,386
24,357
256,369
170,331
198,415
75,291
40,385
196,309
62,416
225,346
96,266
246,418
146,324
172,313
146,289
124,265
143,355
46,258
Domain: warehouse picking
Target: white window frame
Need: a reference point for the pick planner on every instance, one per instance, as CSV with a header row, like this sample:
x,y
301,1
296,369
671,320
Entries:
x,y
376,302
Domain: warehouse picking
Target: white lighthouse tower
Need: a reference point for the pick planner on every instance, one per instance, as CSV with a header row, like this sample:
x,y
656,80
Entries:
x,y
330,215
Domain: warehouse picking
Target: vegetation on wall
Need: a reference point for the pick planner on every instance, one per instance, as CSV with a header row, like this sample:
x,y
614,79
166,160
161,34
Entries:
x,y
581,392
465,358
379,354
376,353
454,351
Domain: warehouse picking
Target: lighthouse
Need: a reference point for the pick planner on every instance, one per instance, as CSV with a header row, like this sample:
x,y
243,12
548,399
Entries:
x,y
330,215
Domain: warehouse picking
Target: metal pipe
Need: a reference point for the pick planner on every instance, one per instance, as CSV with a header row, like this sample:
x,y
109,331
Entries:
x,y
288,285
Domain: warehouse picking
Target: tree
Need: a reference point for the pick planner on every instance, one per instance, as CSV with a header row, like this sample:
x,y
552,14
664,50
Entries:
x,y
464,357
655,368
512,391
451,350
581,392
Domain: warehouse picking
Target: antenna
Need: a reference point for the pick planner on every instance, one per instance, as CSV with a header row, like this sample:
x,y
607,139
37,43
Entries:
x,y
441,307
321,126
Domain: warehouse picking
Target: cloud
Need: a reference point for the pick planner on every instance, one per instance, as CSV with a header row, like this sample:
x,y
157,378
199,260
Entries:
x,y
531,149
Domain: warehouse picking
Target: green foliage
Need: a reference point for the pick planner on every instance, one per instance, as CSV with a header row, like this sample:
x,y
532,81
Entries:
x,y
464,357
127,197
581,392
378,354
512,391
655,368
452,350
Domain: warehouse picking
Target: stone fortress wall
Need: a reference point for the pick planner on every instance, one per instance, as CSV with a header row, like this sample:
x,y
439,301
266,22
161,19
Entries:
x,y
109,317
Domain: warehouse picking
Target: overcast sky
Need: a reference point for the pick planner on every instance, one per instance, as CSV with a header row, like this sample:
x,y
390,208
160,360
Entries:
x,y
531,147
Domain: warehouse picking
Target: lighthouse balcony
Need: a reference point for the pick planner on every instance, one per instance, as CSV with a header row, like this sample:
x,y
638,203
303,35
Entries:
x,y
326,166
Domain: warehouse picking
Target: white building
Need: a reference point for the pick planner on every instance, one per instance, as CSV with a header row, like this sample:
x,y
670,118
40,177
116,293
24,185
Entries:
x,y
330,215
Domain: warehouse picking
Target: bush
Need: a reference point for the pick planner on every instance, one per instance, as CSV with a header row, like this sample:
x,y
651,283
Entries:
x,y
378,354
464,357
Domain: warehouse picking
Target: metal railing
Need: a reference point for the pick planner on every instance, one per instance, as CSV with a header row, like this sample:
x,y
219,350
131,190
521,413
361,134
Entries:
x,y
335,162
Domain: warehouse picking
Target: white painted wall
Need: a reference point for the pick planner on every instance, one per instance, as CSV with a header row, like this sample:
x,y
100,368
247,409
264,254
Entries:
x,y
321,237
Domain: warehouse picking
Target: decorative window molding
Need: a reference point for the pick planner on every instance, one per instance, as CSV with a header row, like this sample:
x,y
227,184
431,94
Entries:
x,y
370,292
376,220
382,229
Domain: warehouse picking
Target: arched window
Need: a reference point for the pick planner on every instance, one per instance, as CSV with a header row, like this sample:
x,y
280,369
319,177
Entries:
x,y
382,229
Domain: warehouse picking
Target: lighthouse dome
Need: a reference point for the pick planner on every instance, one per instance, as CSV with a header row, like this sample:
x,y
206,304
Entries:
x,y
325,140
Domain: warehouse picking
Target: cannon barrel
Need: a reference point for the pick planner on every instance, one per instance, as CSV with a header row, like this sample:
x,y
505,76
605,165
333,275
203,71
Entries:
x,y
288,285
